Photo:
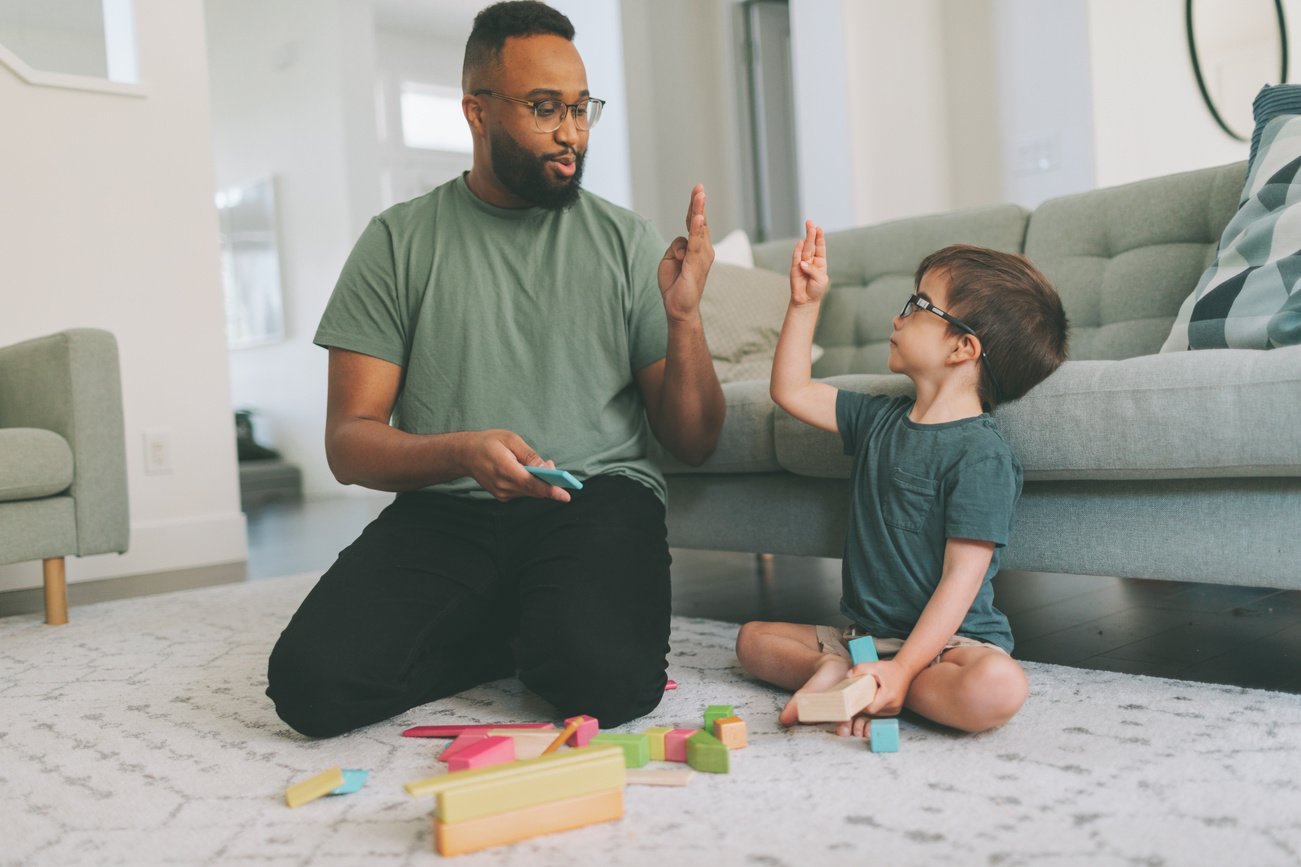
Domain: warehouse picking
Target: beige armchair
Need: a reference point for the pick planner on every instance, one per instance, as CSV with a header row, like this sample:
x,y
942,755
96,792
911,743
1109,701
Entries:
x,y
63,484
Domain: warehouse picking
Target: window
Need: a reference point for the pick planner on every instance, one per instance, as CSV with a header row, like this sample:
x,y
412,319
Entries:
x,y
432,118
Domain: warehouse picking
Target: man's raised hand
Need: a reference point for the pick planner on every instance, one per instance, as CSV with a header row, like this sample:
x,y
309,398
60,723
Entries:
x,y
686,262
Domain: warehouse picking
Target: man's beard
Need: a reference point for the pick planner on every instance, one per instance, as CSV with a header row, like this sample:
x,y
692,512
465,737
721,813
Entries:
x,y
526,175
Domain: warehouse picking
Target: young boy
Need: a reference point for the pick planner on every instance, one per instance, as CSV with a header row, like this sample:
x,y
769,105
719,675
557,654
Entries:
x,y
934,488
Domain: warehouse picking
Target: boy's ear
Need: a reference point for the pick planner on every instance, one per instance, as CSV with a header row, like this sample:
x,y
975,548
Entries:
x,y
966,349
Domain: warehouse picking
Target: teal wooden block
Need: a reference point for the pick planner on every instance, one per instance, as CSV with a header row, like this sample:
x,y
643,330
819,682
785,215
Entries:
x,y
635,746
716,711
862,649
707,753
883,735
352,781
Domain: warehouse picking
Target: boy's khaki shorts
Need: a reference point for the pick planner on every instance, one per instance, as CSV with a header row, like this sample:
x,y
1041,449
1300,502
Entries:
x,y
834,639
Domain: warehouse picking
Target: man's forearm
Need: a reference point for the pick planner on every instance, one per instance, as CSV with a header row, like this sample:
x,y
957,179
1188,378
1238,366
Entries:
x,y
691,405
376,455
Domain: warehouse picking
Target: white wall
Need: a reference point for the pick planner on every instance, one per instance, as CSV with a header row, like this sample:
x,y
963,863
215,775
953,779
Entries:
x,y
280,81
107,221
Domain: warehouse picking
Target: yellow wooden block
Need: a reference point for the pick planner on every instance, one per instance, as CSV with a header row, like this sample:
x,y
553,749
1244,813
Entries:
x,y
731,731
470,794
318,786
457,838
528,744
839,703
656,735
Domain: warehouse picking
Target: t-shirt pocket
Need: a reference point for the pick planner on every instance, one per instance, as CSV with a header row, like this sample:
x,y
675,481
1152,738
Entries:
x,y
909,500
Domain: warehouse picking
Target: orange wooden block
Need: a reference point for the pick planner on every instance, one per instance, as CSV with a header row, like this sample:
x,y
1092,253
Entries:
x,y
457,838
731,731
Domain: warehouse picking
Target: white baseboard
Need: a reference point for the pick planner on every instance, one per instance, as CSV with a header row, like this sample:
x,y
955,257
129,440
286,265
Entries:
x,y
169,545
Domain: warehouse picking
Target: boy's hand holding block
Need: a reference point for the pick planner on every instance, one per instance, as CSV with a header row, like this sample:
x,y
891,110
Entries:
x,y
839,703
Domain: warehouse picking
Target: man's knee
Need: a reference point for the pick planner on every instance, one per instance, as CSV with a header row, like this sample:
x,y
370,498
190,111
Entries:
x,y
613,687
307,692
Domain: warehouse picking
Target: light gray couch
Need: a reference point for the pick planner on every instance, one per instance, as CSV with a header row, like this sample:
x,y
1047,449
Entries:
x,y
1181,465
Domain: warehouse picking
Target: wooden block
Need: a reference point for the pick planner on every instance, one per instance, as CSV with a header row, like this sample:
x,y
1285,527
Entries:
x,y
707,753
657,777
636,746
587,728
502,788
528,744
670,684
482,754
655,735
839,703
862,649
572,725
353,780
453,731
315,787
456,838
675,744
883,735
461,742
731,731
716,711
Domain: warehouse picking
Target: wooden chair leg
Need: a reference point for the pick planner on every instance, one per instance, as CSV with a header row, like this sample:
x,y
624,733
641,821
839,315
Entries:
x,y
56,592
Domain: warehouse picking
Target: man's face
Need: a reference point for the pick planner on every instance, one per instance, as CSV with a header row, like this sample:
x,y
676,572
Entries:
x,y
544,168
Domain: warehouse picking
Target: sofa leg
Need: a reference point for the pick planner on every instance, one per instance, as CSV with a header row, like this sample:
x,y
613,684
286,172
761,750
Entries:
x,y
56,592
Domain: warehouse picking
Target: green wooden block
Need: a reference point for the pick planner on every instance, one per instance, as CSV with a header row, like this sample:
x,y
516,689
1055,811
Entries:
x,y
862,649
635,746
716,711
883,735
707,753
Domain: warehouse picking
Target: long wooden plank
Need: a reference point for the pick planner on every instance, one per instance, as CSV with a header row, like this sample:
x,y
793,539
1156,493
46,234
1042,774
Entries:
x,y
457,838
470,794
321,785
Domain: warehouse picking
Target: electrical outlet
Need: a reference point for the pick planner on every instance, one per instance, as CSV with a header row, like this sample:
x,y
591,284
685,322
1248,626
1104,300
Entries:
x,y
158,453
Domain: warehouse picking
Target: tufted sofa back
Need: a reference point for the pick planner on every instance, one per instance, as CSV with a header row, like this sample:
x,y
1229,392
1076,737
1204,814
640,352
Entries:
x,y
1123,258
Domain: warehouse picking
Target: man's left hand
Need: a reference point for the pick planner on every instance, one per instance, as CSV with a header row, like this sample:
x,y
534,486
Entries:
x,y
686,263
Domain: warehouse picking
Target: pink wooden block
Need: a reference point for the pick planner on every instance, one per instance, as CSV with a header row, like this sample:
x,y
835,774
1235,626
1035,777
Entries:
x,y
461,742
481,754
454,731
590,726
675,744
671,684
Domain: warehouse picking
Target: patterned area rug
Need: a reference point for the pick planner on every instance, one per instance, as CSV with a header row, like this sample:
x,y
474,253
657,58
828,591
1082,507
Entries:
x,y
139,734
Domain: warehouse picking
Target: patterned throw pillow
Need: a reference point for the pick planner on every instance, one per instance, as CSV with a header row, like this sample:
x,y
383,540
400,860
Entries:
x,y
742,310
1250,296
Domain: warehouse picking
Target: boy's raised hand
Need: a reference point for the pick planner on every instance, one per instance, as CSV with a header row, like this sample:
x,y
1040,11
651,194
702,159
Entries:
x,y
809,278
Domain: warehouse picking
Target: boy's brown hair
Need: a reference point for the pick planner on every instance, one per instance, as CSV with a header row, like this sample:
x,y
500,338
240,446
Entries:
x,y
1014,310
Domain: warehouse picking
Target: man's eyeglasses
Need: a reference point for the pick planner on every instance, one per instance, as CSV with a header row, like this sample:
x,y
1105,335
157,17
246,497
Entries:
x,y
917,301
549,114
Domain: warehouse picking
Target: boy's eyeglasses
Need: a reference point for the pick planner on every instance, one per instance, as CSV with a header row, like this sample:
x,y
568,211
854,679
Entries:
x,y
917,301
549,114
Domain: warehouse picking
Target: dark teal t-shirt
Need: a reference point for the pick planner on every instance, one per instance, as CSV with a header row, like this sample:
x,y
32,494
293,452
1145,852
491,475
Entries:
x,y
531,320
915,486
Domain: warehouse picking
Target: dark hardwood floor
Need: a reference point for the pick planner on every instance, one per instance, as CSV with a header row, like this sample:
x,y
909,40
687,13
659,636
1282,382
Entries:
x,y
1243,636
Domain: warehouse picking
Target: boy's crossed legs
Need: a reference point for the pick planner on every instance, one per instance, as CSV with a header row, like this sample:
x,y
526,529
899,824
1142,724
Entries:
x,y
972,687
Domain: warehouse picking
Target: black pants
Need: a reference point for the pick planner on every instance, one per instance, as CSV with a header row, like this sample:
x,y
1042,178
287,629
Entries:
x,y
442,593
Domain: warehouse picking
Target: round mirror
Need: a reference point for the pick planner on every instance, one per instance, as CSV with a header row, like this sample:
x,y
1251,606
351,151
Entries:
x,y
1237,47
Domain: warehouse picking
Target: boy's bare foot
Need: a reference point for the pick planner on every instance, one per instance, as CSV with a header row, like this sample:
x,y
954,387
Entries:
x,y
831,671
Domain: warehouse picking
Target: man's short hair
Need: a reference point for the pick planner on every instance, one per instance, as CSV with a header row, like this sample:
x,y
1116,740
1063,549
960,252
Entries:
x,y
499,22
1014,310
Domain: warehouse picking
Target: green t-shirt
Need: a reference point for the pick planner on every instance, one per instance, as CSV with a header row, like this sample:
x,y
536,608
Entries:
x,y
915,486
525,319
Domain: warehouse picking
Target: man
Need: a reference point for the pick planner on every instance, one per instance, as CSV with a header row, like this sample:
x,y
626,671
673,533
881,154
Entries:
x,y
505,316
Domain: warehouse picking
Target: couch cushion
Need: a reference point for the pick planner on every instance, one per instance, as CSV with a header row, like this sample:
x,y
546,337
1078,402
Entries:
x,y
1125,258
745,444
33,463
1249,298
872,275
742,310
1211,414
